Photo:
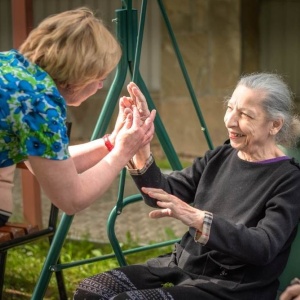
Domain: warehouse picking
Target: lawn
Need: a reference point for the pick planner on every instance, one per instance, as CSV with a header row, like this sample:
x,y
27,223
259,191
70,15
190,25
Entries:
x,y
24,264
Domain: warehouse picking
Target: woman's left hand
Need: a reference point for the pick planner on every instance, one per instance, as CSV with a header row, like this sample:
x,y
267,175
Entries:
x,y
292,292
175,208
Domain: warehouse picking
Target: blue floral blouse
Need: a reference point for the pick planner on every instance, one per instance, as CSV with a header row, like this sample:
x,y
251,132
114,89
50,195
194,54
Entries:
x,y
32,112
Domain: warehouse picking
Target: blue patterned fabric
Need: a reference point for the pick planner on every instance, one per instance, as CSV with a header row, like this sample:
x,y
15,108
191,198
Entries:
x,y
32,112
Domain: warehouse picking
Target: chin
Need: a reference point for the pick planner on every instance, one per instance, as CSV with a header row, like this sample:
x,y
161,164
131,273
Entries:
x,y
76,102
235,145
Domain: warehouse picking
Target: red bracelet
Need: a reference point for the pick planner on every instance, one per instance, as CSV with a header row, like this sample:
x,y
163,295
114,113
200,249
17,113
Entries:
x,y
107,142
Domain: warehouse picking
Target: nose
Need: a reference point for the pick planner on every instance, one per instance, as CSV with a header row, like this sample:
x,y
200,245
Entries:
x,y
231,119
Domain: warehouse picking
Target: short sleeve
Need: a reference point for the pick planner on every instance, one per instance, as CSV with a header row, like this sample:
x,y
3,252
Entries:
x,y
32,113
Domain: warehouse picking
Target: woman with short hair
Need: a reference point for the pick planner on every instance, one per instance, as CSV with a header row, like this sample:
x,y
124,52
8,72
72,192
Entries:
x,y
62,63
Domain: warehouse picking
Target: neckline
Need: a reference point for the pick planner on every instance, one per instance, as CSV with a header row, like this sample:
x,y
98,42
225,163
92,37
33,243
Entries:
x,y
271,160
266,161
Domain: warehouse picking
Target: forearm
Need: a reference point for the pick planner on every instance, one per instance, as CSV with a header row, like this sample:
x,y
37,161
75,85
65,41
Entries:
x,y
88,154
70,191
148,176
94,182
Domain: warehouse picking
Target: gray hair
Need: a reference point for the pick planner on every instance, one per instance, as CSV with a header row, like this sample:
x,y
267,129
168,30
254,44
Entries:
x,y
278,103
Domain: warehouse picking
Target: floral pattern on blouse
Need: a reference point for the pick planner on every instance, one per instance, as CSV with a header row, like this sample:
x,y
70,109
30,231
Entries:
x,y
32,112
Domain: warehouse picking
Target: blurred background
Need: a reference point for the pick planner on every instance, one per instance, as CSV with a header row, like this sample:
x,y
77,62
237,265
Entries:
x,y
218,39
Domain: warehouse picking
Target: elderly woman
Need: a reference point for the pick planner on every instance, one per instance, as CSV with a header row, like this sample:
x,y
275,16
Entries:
x,y
62,63
240,202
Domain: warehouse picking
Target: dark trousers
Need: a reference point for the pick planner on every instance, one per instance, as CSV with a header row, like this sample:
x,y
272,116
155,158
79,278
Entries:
x,y
138,282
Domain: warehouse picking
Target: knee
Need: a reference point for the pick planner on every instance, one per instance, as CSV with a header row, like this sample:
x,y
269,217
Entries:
x,y
85,295
86,291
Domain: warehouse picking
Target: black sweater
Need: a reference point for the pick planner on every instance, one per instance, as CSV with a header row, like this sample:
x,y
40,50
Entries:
x,y
256,210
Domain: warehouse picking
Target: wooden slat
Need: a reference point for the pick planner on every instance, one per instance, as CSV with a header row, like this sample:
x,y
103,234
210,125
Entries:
x,y
4,236
28,228
13,231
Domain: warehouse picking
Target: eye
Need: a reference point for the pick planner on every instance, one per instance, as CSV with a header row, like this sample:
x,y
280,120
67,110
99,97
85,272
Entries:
x,y
246,115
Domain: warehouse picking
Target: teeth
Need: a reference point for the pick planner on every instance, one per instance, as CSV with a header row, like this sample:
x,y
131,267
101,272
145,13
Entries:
x,y
237,135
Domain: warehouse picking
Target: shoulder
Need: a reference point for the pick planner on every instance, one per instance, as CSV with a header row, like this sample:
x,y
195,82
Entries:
x,y
216,157
27,76
292,168
220,151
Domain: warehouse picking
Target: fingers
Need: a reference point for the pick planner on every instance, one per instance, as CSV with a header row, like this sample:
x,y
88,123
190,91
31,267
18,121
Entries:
x,y
138,94
129,119
291,292
153,191
138,98
148,124
136,118
164,199
130,87
157,214
152,116
127,102
124,107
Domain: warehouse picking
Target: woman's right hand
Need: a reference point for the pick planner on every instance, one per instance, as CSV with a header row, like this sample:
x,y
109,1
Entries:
x,y
135,133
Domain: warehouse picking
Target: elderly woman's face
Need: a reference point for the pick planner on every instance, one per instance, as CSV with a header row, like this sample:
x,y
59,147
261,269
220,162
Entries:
x,y
245,119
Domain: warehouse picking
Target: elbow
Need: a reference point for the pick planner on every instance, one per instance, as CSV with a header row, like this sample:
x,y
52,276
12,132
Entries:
x,y
69,207
263,259
69,211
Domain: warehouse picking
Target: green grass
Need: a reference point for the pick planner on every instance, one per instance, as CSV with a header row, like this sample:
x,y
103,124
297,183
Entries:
x,y
24,264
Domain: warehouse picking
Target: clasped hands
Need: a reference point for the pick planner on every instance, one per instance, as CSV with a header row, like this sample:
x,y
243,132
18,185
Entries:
x,y
134,108
128,106
171,206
